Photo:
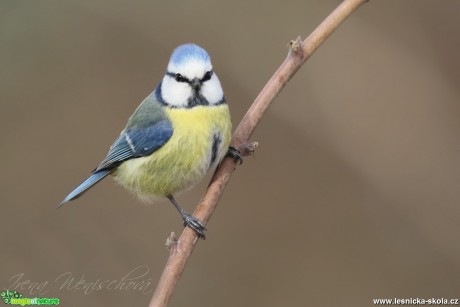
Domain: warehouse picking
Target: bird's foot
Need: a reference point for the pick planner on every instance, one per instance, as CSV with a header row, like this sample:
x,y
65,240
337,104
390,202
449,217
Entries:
x,y
195,224
235,154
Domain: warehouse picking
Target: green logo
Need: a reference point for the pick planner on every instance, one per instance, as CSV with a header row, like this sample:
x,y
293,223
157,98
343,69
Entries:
x,y
15,298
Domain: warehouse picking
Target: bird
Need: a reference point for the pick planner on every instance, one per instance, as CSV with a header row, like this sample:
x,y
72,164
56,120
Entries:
x,y
175,136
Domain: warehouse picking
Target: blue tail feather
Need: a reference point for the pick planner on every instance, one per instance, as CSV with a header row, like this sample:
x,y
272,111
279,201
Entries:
x,y
85,185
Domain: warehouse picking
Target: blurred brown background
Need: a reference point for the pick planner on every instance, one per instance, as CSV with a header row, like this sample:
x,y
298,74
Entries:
x,y
353,193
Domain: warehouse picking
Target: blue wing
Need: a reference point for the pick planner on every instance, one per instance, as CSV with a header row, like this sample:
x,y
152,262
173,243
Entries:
x,y
134,142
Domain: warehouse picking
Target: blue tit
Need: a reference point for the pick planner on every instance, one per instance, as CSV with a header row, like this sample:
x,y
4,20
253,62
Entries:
x,y
176,135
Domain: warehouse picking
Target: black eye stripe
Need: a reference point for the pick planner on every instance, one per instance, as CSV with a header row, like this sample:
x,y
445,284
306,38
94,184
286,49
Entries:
x,y
207,76
177,77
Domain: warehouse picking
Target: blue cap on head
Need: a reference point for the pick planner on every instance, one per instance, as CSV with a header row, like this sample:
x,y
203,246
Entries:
x,y
189,52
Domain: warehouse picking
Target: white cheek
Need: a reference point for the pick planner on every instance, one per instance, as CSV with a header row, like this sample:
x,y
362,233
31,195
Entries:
x,y
212,91
175,93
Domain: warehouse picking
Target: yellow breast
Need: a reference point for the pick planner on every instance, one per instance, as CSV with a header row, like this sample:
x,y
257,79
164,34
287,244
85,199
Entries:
x,y
199,142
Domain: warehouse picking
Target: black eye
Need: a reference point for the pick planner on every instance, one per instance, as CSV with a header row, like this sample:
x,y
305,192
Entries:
x,y
180,78
207,76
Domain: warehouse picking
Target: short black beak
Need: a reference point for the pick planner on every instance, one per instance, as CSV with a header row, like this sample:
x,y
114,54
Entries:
x,y
196,84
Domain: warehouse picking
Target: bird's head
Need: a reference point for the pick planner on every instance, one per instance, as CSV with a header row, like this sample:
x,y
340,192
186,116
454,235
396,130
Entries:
x,y
190,80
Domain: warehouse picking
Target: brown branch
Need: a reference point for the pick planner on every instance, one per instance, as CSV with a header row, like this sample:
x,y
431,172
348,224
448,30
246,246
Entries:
x,y
299,52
